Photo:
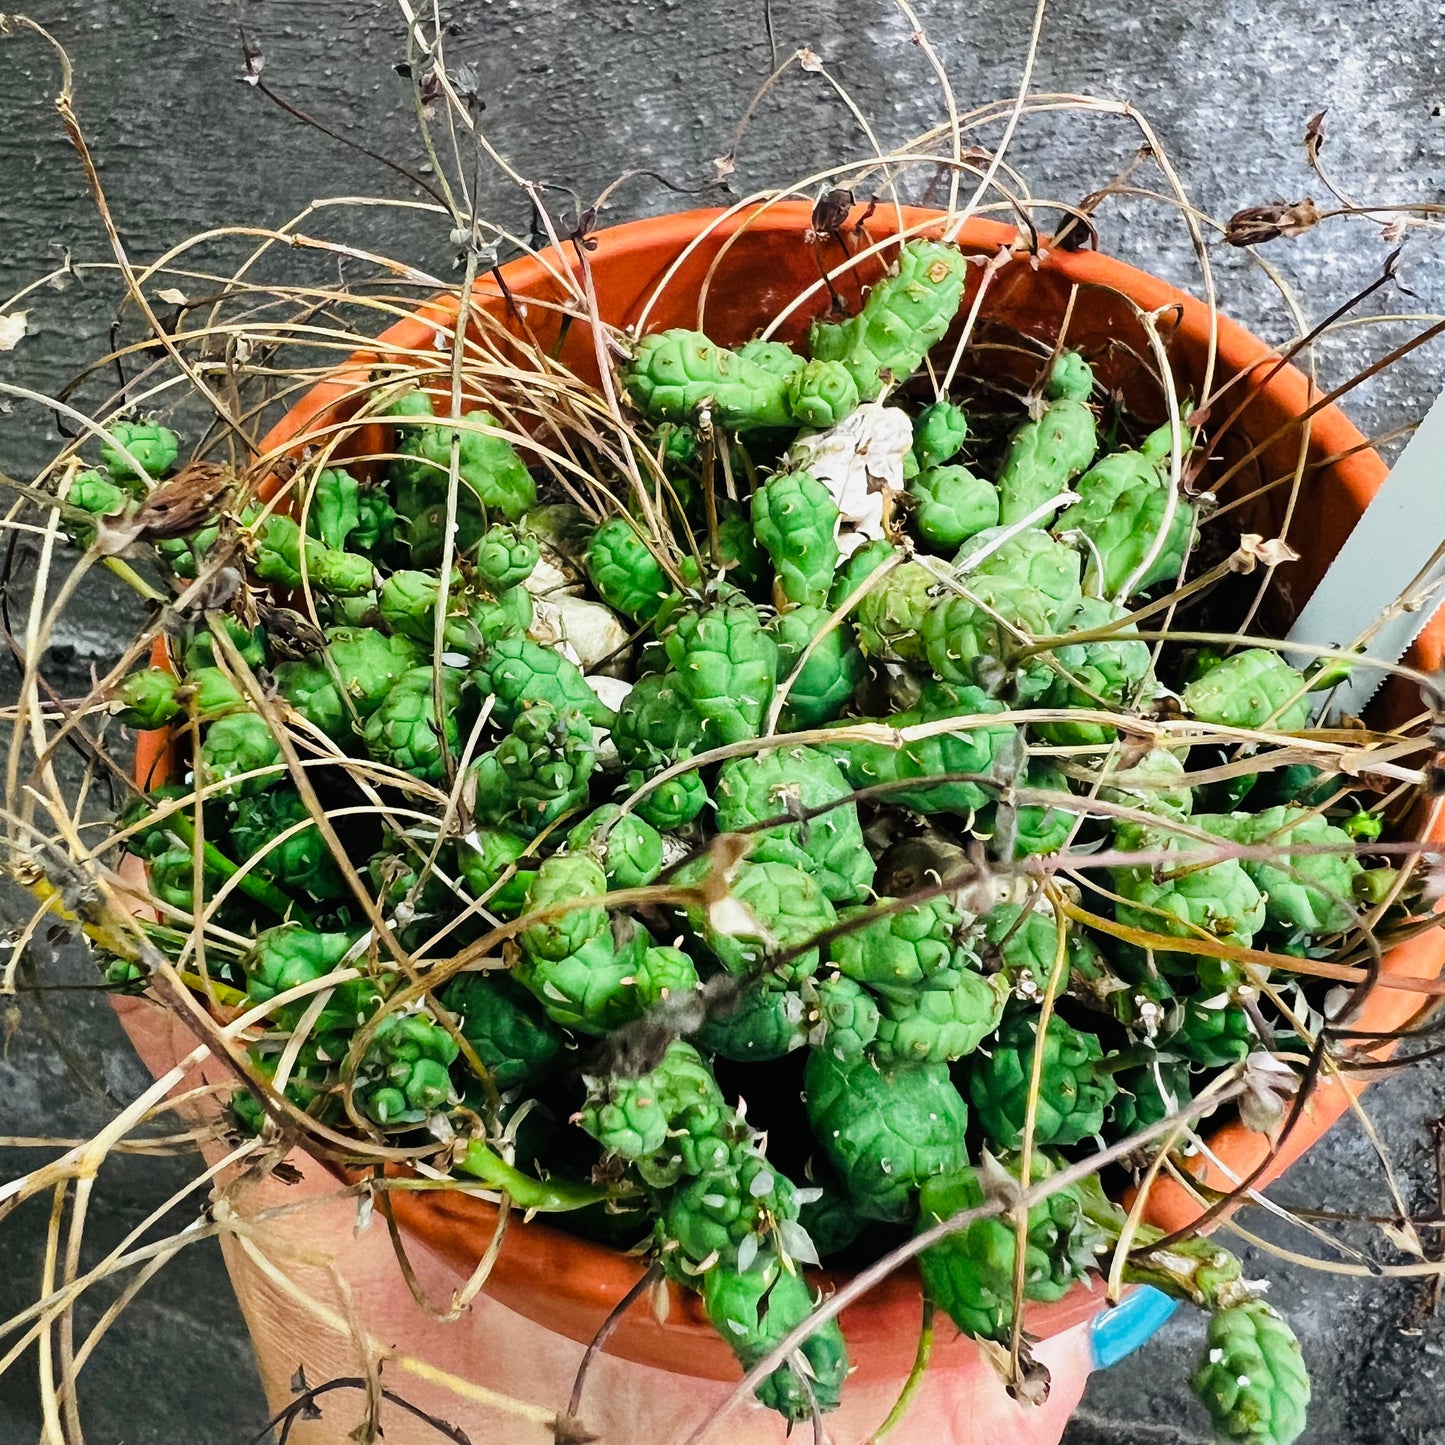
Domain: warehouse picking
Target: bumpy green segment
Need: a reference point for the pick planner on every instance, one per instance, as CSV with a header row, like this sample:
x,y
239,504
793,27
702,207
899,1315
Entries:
x,y
1102,674
489,855
628,847
200,650
899,948
970,1273
753,1312
94,493
403,1077
785,909
241,743
520,673
537,773
154,446
492,477
407,603
1251,689
656,722
831,674
1303,892
776,357
728,1220
302,861
333,510
665,973
559,880
939,432
209,693
952,504
506,556
624,570
903,773
367,664
1216,899
822,394
515,1041
1025,943
147,699
796,519
890,616
1031,559
976,639
1123,507
765,1023
1073,1094
292,955
593,990
631,1117
726,665
842,1015
1045,455
1154,784
885,1130
905,316
797,780
676,373
1252,1378
670,805
287,558
406,731
944,1019
581,963
348,680
345,513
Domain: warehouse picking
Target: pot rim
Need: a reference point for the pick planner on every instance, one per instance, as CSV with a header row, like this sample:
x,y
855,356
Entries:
x,y
584,1280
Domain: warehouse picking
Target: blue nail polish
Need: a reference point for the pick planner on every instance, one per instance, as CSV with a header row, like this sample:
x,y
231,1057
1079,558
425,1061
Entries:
x,y
1134,1320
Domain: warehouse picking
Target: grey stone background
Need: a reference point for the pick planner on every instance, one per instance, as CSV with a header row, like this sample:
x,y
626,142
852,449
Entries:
x,y
577,94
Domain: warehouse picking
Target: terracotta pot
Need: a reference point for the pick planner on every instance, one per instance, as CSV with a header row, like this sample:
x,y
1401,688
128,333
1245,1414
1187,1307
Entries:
x,y
753,264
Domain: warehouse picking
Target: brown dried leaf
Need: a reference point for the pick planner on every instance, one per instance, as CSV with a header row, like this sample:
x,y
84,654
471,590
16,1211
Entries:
x,y
1254,549
810,61
1255,225
291,635
1269,1087
1077,232
183,504
1402,1235
830,211
1315,136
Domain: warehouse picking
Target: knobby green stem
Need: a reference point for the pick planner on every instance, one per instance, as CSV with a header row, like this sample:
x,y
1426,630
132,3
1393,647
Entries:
x,y
264,893
547,1196
1195,1270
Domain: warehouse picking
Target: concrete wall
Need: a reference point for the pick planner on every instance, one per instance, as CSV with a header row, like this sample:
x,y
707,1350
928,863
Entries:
x,y
577,94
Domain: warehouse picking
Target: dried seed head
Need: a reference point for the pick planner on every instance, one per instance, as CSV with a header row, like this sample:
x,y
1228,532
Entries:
x,y
1255,225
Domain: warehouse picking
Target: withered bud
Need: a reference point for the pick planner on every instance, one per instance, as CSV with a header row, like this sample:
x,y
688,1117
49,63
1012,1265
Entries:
x,y
830,212
176,508
1255,225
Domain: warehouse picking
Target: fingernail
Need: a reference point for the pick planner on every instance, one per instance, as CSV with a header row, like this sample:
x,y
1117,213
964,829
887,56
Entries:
x,y
1120,1330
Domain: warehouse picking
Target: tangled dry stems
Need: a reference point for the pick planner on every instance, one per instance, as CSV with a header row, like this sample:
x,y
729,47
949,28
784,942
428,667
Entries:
x,y
240,350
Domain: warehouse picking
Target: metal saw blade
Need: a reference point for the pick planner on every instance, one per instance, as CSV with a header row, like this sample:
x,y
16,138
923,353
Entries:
x,y
1396,545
